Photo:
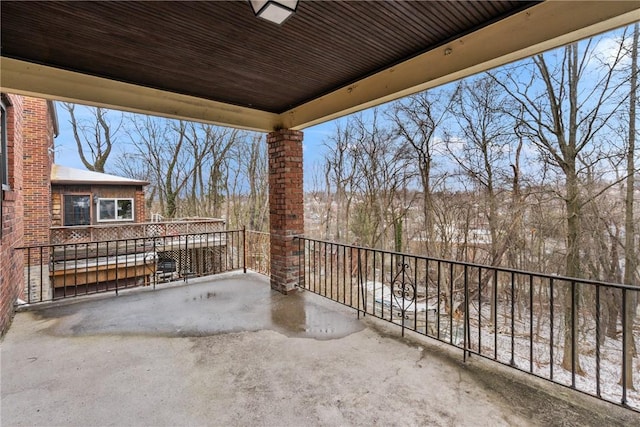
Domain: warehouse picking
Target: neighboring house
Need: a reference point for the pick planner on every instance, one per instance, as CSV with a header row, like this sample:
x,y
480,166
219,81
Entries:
x,y
80,197
28,127
85,206
109,212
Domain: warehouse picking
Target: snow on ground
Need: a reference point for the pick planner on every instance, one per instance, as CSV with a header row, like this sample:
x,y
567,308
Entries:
x,y
600,377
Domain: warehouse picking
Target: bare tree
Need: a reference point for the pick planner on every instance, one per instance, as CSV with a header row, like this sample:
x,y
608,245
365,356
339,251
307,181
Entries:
x,y
339,168
630,257
563,121
247,183
383,171
209,147
483,158
258,177
94,135
416,119
159,142
483,155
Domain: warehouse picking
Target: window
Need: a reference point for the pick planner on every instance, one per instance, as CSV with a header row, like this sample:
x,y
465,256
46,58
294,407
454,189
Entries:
x,y
4,154
77,210
115,209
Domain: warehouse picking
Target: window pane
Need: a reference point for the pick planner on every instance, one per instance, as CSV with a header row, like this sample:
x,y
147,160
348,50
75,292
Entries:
x,y
77,210
107,209
125,209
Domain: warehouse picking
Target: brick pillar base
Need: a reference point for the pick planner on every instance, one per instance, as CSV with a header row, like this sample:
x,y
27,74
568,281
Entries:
x,y
286,207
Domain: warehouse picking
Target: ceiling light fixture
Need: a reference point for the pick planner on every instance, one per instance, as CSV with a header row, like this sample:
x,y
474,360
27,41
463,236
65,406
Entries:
x,y
276,11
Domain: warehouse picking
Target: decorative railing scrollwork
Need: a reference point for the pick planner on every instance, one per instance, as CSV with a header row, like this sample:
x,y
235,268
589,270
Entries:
x,y
403,290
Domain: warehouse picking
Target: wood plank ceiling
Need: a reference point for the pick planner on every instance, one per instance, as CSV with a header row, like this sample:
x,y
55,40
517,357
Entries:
x,y
219,51
215,61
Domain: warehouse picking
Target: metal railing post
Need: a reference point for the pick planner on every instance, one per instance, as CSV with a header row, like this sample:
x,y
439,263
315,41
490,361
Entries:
x,y
598,341
41,273
29,273
466,332
244,248
117,275
573,334
551,315
512,362
155,258
623,379
359,281
300,262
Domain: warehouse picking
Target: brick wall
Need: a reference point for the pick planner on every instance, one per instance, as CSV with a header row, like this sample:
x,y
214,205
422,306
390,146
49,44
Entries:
x,y
38,133
11,263
38,158
26,213
286,207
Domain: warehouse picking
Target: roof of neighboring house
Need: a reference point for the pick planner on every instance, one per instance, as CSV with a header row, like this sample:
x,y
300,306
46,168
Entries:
x,y
67,175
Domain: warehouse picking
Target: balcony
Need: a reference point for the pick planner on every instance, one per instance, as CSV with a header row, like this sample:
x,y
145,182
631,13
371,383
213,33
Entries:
x,y
402,324
227,350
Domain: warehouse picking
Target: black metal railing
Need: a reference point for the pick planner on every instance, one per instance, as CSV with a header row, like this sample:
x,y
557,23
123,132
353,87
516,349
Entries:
x,y
258,245
566,330
68,270
574,332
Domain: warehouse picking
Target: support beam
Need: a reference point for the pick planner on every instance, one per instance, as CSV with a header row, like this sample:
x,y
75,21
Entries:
x,y
286,207
29,79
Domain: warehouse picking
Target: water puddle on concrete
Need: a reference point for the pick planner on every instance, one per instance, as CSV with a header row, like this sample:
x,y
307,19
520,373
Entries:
x,y
295,315
204,309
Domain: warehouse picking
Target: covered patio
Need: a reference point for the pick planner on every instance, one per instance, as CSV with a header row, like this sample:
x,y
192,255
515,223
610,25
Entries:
x,y
228,350
232,350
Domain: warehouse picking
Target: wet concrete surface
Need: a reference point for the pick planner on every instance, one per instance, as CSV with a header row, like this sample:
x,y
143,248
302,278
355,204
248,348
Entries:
x,y
202,308
230,351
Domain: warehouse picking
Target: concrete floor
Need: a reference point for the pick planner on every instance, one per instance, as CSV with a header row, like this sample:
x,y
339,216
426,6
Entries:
x,y
229,351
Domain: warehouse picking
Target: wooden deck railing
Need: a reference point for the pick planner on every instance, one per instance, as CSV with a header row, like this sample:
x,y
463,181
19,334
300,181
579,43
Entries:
x,y
94,233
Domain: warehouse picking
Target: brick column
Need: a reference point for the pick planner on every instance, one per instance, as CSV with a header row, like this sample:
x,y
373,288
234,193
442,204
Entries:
x,y
140,207
38,134
286,207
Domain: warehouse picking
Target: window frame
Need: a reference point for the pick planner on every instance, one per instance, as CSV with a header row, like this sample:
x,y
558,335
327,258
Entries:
x,y
115,200
64,207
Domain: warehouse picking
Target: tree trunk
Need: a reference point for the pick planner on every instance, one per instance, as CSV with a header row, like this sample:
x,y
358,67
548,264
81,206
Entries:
x,y
572,203
611,305
630,257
